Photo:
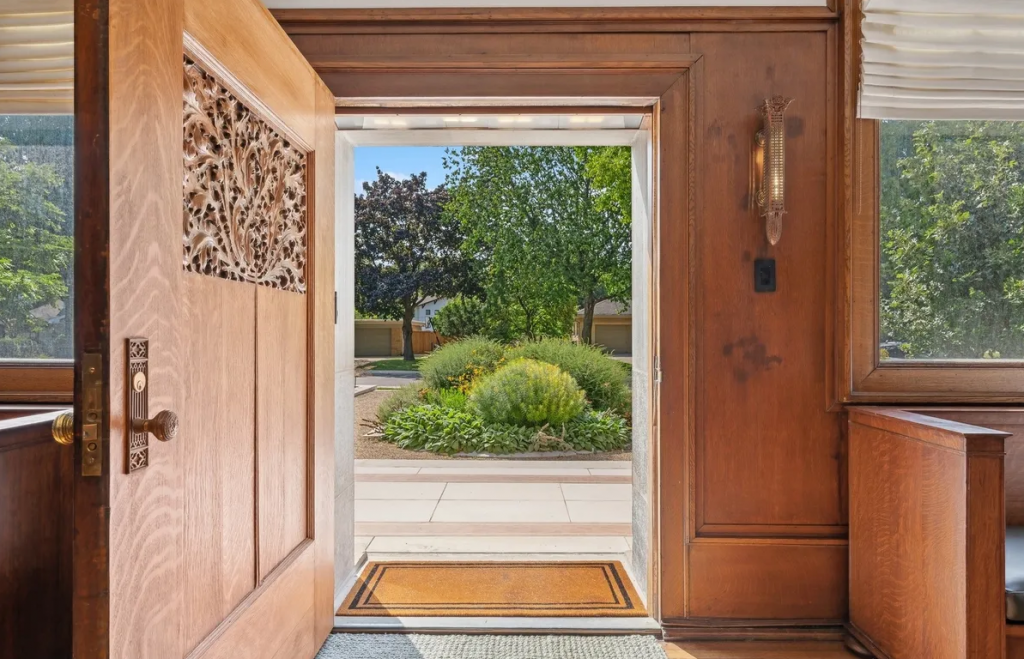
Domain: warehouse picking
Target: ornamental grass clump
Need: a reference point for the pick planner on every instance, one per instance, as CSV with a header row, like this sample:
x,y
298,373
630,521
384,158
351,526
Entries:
x,y
458,365
604,379
526,392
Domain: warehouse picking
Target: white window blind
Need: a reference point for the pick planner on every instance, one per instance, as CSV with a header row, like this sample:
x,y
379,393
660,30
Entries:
x,y
943,59
37,50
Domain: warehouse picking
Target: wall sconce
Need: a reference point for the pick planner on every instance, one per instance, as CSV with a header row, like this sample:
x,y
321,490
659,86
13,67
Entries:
x,y
771,140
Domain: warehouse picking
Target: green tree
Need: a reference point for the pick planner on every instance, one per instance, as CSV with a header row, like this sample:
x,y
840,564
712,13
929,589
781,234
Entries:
x,y
36,251
461,318
407,250
952,231
551,229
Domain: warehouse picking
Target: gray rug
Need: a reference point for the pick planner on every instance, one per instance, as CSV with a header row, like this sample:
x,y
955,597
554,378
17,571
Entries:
x,y
427,646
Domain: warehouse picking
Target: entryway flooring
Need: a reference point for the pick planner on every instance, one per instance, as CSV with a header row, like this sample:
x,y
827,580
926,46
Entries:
x,y
423,508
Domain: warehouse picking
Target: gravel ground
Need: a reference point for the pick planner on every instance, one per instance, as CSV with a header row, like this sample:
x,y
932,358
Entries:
x,y
369,448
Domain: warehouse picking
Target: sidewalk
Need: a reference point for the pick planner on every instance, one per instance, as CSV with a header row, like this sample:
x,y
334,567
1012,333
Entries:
x,y
418,507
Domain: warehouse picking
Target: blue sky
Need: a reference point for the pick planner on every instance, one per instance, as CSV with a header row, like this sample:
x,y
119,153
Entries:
x,y
400,162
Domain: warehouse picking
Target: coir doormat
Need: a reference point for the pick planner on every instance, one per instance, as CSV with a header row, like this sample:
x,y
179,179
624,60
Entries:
x,y
488,589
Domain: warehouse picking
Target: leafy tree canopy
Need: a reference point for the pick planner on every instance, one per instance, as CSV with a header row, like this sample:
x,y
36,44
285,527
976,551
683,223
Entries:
x,y
551,228
36,249
952,231
407,249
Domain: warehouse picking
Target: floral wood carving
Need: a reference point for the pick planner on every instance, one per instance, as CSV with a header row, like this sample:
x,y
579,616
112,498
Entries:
x,y
245,191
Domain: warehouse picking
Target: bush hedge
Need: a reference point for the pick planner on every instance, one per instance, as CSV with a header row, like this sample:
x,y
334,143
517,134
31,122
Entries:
x,y
459,364
604,379
528,393
407,396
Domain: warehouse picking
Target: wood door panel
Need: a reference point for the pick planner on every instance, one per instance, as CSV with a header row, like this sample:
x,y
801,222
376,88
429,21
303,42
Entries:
x,y
282,451
767,448
146,558
284,82
219,436
279,621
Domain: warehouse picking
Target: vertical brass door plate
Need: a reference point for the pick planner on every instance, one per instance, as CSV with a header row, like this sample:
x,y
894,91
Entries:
x,y
92,414
138,403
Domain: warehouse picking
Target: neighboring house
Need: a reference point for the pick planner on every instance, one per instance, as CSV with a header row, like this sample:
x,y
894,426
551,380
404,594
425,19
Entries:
x,y
383,338
613,327
426,311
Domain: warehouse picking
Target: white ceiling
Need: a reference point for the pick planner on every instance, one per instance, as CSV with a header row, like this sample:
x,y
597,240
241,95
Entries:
x,y
419,4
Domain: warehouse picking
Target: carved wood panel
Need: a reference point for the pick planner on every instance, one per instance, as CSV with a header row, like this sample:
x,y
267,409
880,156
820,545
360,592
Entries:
x,y
245,210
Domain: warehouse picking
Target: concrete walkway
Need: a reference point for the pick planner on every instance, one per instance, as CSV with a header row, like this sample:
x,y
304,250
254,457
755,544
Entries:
x,y
419,507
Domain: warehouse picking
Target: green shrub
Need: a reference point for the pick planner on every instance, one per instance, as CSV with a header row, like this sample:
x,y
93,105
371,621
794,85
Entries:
x,y
452,399
604,379
597,431
459,364
461,318
528,393
407,396
445,430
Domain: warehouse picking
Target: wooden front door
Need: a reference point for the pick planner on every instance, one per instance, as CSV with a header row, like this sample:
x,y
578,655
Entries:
x,y
204,303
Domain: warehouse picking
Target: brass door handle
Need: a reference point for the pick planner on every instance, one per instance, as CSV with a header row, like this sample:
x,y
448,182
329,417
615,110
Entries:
x,y
64,429
163,426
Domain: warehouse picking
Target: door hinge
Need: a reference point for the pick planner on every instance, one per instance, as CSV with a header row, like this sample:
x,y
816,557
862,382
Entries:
x,y
657,369
335,307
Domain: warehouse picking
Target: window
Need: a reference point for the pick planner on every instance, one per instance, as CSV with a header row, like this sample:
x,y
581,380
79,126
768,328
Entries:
x,y
937,263
36,252
951,251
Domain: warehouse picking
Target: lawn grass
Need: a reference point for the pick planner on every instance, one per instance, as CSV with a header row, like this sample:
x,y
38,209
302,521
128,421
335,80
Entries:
x,y
395,365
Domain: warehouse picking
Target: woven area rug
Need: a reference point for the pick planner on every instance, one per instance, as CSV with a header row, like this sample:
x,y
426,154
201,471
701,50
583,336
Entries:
x,y
490,589
400,646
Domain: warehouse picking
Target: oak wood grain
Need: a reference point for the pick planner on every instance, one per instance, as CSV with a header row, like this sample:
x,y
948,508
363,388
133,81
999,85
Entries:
x,y
926,535
282,448
145,289
35,539
759,650
220,394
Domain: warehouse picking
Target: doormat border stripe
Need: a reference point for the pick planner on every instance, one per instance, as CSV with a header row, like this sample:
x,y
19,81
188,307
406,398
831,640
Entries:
x,y
624,600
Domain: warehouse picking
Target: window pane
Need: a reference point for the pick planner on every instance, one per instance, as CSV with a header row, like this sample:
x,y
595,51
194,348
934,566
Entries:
x,y
36,236
952,240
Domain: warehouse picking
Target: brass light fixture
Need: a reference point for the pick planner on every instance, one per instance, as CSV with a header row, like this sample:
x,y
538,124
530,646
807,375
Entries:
x,y
771,195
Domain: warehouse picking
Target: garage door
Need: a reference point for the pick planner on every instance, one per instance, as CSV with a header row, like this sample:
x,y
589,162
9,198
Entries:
x,y
617,338
373,342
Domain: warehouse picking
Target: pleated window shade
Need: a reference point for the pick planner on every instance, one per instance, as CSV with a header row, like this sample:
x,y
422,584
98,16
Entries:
x,y
37,71
943,59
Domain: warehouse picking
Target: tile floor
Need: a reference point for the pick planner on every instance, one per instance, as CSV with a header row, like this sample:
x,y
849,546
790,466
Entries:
x,y
422,509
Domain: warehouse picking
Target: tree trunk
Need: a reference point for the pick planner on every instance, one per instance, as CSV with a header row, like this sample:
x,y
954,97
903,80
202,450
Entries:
x,y
407,353
587,333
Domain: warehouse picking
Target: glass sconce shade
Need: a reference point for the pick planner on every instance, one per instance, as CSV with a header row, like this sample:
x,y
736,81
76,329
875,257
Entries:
x,y
771,196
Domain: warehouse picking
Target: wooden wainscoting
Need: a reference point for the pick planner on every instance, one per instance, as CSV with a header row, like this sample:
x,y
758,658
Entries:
x,y
927,534
35,536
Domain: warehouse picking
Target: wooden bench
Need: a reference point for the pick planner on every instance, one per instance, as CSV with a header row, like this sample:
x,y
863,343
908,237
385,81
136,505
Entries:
x,y
928,519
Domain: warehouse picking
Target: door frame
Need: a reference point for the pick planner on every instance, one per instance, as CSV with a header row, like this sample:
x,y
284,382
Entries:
x,y
667,88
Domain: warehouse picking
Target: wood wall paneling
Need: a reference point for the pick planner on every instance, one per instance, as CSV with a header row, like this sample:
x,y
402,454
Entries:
x,y
220,505
35,539
282,449
767,447
926,535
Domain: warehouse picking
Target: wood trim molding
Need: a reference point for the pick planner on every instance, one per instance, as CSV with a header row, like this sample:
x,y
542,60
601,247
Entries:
x,y
554,19
42,382
716,629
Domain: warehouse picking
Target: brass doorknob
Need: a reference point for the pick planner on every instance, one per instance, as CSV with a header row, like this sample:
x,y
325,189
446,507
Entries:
x,y
164,426
64,429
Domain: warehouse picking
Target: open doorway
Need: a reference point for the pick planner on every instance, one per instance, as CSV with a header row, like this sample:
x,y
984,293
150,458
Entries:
x,y
547,495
